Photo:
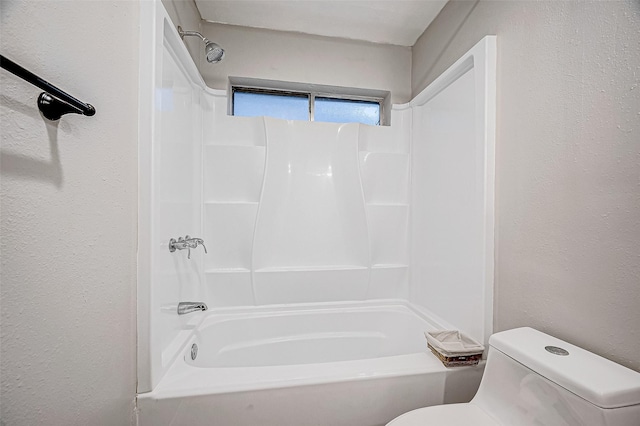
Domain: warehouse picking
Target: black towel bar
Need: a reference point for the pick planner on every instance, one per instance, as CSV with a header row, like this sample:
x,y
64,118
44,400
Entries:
x,y
51,107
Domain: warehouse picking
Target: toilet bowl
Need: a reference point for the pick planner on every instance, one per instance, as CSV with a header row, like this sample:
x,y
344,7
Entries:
x,y
534,379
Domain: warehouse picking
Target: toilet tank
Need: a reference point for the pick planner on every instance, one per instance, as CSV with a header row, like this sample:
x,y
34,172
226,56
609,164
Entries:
x,y
535,379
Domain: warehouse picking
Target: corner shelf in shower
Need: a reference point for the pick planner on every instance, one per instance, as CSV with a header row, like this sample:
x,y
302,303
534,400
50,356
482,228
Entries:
x,y
234,147
312,268
227,271
387,204
242,143
232,203
389,266
306,268
384,152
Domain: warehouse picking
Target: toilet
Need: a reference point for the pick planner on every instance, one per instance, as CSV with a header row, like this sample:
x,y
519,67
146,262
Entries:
x,y
534,379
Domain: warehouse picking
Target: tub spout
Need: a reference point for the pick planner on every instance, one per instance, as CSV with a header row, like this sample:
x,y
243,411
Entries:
x,y
188,307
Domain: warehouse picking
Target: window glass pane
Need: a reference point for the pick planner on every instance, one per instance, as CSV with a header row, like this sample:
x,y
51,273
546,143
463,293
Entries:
x,y
279,106
346,111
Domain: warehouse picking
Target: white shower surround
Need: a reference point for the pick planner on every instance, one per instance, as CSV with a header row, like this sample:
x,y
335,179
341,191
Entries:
x,y
240,269
301,212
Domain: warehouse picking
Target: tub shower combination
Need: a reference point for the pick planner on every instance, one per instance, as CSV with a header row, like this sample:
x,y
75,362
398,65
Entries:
x,y
330,250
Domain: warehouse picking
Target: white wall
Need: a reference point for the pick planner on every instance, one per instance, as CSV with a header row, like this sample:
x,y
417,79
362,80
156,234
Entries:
x,y
568,200
302,58
68,219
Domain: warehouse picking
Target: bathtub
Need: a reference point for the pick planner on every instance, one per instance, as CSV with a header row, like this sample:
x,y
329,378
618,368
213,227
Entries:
x,y
357,364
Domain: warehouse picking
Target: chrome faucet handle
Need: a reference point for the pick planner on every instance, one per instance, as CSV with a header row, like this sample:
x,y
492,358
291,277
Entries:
x,y
176,245
200,241
186,243
193,243
188,307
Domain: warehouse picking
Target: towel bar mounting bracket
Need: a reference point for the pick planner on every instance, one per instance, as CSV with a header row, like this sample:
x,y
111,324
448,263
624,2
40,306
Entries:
x,y
53,108
53,103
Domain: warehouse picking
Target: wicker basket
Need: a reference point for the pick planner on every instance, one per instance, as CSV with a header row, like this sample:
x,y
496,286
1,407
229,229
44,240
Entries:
x,y
456,361
453,348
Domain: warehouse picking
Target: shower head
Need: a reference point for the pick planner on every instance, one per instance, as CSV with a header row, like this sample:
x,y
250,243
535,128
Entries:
x,y
213,52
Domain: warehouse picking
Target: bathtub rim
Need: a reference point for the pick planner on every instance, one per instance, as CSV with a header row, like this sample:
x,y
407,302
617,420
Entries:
x,y
283,309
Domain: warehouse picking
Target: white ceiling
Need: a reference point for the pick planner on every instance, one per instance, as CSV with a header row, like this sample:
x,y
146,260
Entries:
x,y
398,22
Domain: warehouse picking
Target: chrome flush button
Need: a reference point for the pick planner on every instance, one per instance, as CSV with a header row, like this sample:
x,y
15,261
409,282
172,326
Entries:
x,y
556,350
194,352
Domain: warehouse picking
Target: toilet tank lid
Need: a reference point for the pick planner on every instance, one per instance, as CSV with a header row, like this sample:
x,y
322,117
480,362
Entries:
x,y
598,380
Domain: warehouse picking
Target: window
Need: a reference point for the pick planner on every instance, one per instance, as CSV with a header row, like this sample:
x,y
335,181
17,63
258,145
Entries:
x,y
290,106
299,105
346,111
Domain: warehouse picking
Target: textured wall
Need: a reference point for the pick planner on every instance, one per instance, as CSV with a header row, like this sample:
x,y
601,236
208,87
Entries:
x,y
302,58
568,162
68,219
